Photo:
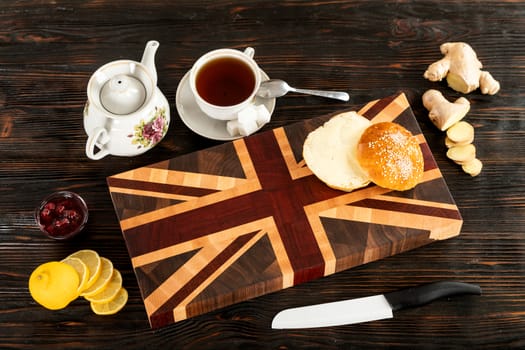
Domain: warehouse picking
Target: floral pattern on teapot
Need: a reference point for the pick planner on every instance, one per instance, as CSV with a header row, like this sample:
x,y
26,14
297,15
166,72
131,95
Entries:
x,y
150,133
126,114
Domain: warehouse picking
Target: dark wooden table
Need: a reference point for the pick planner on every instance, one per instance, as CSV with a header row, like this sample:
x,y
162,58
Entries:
x,y
372,49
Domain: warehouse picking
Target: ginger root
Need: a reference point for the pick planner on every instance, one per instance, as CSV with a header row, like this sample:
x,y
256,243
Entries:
x,y
443,113
460,134
462,70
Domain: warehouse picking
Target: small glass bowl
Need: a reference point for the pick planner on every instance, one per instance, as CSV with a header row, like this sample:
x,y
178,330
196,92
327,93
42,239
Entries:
x,y
61,215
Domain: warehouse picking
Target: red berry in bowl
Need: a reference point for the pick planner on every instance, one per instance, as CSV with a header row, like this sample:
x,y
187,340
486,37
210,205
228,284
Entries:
x,y
72,215
62,215
60,208
50,206
46,215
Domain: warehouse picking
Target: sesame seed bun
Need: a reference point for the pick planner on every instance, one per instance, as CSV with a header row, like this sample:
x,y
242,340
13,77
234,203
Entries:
x,y
391,156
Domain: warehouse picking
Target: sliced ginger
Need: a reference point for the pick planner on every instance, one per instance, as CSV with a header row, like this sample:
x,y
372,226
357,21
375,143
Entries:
x,y
462,154
473,168
449,143
465,155
462,69
461,133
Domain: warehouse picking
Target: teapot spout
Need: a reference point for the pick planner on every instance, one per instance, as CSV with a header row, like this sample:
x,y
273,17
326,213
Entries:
x,y
148,58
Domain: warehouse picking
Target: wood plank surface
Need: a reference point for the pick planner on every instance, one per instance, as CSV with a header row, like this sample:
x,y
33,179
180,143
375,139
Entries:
x,y
371,49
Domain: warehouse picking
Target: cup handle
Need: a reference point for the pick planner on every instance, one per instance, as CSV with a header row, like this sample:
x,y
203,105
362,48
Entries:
x,y
249,51
98,138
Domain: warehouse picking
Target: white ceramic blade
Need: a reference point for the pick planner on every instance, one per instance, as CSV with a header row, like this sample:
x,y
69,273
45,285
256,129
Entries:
x,y
338,313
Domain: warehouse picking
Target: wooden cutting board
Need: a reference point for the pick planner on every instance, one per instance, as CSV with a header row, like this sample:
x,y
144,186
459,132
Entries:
x,y
245,218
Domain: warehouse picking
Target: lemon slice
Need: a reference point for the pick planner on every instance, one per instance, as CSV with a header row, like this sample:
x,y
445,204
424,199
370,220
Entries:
x,y
110,291
106,270
113,306
54,285
82,270
92,261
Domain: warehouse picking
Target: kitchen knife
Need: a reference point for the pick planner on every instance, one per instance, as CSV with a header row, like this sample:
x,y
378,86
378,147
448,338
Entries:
x,y
370,308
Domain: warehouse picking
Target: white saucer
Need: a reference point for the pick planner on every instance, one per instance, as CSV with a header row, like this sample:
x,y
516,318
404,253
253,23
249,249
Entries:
x,y
199,122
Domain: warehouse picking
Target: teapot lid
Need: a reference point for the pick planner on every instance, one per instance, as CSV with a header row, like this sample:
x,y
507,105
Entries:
x,y
122,94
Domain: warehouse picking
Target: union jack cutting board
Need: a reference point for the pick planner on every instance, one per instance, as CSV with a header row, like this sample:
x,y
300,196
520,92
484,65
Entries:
x,y
245,218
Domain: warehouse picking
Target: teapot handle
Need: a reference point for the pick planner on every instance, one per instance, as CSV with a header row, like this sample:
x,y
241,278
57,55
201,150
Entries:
x,y
98,138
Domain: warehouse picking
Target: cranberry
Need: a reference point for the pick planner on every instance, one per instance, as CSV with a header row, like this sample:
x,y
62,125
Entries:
x,y
72,215
50,206
60,208
46,215
61,226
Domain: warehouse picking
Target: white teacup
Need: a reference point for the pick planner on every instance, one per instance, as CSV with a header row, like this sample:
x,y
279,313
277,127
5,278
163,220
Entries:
x,y
224,82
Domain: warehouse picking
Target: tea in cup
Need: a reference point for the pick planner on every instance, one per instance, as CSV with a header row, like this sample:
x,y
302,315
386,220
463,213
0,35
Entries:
x,y
224,82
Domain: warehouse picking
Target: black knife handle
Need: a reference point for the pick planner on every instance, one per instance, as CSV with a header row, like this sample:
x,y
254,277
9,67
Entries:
x,y
424,294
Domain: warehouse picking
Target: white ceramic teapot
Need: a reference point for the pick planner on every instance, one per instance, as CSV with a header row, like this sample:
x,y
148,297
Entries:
x,y
126,114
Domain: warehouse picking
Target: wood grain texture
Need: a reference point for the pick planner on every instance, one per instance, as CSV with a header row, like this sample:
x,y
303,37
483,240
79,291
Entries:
x,y
372,49
271,224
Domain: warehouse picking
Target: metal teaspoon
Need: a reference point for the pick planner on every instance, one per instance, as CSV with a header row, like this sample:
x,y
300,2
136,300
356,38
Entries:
x,y
277,88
